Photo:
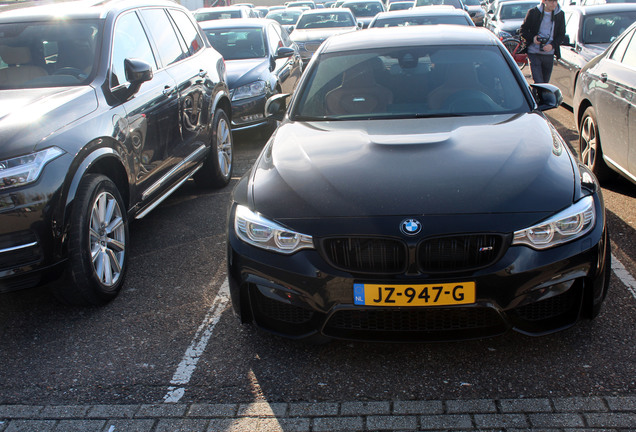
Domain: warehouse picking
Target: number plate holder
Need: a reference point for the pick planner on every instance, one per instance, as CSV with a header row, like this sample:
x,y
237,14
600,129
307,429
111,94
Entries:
x,y
441,294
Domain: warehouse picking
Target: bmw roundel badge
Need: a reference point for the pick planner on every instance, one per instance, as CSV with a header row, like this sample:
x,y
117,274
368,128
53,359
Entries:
x,y
410,226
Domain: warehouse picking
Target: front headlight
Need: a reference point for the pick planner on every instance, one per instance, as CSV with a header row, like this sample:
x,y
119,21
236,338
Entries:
x,y
257,88
26,169
570,224
254,229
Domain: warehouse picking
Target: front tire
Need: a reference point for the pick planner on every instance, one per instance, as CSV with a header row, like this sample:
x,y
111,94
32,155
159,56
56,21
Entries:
x,y
217,168
591,153
98,240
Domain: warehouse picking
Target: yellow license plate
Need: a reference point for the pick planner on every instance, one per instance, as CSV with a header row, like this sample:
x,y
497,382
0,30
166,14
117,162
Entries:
x,y
443,294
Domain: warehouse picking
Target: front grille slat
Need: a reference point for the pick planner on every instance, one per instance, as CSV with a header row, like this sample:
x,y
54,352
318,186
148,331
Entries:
x,y
459,253
367,255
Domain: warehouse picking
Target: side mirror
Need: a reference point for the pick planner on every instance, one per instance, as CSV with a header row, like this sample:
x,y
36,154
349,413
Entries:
x,y
360,25
283,52
137,72
276,106
547,96
566,41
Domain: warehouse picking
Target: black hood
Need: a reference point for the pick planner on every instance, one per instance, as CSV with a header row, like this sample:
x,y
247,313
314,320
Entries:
x,y
241,72
469,165
30,116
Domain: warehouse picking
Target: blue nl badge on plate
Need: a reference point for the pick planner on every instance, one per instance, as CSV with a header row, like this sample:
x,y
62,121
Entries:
x,y
358,294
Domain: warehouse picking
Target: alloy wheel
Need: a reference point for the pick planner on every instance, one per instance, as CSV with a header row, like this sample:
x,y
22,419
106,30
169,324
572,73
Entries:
x,y
107,238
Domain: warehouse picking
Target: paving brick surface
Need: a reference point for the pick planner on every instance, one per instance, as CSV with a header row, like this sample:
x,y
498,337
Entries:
x,y
563,414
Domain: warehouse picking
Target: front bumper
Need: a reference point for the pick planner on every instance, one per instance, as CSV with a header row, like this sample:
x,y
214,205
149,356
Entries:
x,y
531,292
31,233
249,113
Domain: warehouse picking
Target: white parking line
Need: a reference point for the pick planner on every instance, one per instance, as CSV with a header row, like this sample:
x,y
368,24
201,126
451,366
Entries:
x,y
200,341
621,272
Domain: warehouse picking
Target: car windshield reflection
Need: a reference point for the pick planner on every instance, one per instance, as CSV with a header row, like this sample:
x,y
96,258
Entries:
x,y
411,82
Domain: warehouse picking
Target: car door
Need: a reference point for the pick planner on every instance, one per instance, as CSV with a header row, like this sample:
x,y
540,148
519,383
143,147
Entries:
x,y
288,69
629,90
151,126
189,78
616,75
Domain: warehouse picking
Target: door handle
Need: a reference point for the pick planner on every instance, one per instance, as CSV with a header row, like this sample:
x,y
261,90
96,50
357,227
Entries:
x,y
603,77
167,91
202,73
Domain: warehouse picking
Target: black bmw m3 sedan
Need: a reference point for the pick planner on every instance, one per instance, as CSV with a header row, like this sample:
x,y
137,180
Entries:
x,y
415,191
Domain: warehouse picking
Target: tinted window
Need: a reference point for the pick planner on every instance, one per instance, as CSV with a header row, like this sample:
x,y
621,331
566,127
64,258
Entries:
x,y
455,3
164,36
606,27
188,31
323,20
620,48
206,16
422,20
130,42
234,44
285,17
48,54
630,54
517,11
364,9
410,82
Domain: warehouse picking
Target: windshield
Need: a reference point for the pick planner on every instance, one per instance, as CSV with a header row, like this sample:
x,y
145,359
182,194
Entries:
x,y
410,82
47,54
515,11
285,17
606,27
209,16
237,43
421,20
327,19
455,3
364,9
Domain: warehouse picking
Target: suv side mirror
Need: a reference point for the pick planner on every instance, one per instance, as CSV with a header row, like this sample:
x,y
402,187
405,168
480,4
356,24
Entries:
x,y
137,72
276,106
566,41
547,96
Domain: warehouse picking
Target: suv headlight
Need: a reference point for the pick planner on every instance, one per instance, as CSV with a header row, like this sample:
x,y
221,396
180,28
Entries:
x,y
253,89
258,231
570,224
22,170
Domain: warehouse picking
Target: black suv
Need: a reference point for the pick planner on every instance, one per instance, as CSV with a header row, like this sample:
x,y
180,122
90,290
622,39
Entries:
x,y
106,110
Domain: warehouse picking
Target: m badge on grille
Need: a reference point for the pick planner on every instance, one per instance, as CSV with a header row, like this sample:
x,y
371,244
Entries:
x,y
410,226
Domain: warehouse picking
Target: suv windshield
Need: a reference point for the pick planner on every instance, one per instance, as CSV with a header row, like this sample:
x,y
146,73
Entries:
x,y
410,83
457,4
48,54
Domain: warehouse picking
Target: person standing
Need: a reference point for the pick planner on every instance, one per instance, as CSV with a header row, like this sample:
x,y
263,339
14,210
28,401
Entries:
x,y
543,31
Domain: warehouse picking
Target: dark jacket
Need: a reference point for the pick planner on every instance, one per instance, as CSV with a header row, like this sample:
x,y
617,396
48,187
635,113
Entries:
x,y
532,22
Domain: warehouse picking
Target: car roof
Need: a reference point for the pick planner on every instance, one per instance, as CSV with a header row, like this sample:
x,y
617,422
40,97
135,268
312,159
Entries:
x,y
236,23
440,34
602,8
77,9
361,1
422,11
